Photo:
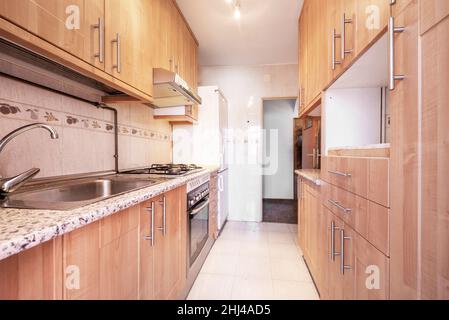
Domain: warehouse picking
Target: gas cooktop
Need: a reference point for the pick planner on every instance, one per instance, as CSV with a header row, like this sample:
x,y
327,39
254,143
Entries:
x,y
166,169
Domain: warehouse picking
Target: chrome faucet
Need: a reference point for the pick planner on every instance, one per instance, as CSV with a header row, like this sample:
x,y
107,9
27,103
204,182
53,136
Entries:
x,y
8,185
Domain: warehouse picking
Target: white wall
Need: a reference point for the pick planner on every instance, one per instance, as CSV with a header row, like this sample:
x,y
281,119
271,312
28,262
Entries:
x,y
278,117
349,111
244,88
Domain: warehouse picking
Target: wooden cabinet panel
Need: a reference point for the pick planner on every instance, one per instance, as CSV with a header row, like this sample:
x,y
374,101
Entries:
x,y
172,274
335,285
432,12
366,217
404,158
366,177
119,256
81,250
147,251
371,22
435,162
130,21
47,19
35,274
366,274
163,265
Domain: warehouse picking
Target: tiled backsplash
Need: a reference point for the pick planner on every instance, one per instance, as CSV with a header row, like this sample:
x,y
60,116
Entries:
x,y
86,140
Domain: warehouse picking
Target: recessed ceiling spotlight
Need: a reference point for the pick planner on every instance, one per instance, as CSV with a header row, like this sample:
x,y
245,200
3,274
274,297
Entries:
x,y
228,1
237,13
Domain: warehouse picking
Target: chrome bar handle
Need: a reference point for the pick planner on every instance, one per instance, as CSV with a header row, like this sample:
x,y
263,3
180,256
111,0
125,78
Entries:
x,y
343,266
151,236
344,22
391,32
163,202
341,174
339,206
334,37
100,27
333,253
118,65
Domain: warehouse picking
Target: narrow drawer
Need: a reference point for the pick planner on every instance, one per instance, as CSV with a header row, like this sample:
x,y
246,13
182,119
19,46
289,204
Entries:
x,y
369,219
366,177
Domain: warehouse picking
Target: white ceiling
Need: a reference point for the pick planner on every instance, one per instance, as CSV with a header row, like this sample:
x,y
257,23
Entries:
x,y
265,34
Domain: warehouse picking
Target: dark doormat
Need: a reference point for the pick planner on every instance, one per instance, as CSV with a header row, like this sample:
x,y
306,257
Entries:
x,y
280,211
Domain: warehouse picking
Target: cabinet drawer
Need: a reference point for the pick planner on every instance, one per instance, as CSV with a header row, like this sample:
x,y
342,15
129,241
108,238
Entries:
x,y
366,177
366,217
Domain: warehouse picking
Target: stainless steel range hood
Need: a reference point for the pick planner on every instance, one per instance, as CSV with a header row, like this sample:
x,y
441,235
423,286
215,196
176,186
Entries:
x,y
171,90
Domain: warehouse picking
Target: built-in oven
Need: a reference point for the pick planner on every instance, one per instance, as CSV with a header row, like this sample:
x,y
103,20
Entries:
x,y
198,215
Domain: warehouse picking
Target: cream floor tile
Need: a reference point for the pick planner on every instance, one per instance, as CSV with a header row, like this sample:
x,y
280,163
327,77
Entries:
x,y
253,267
293,228
211,287
294,290
224,246
252,289
280,237
223,264
252,236
254,249
290,269
284,251
275,227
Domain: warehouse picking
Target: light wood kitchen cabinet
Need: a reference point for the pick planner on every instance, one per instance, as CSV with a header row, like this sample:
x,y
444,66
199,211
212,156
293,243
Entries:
x,y
365,269
162,255
35,274
435,158
119,255
371,21
128,42
404,101
312,232
431,13
48,19
356,270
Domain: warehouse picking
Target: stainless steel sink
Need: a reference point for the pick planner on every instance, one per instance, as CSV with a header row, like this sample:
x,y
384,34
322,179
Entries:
x,y
74,194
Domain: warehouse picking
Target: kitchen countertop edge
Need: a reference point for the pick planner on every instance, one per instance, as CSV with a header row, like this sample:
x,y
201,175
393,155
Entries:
x,y
23,229
312,175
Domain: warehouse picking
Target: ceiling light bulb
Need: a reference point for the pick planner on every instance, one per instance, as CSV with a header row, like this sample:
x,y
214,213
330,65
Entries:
x,y
237,13
228,1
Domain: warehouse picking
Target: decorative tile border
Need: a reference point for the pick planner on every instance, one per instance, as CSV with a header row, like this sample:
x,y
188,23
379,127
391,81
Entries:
x,y
20,111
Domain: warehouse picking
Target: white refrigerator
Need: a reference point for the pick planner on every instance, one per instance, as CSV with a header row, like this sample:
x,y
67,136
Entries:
x,y
205,143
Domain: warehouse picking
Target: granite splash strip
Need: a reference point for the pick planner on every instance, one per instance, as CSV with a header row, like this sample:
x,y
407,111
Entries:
x,y
22,229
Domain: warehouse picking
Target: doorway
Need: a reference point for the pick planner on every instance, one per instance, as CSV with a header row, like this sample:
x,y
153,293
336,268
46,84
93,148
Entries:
x,y
279,204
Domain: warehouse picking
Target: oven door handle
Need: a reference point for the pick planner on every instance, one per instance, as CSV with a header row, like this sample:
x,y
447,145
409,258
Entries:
x,y
194,212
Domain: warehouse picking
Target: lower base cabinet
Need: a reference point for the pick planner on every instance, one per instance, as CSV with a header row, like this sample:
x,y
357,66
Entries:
x,y
110,259
343,264
163,268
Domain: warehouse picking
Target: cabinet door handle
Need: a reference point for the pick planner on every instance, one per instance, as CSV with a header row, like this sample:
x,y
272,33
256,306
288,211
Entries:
x,y
100,27
341,174
118,65
151,236
335,36
391,32
343,238
164,216
333,253
339,206
344,22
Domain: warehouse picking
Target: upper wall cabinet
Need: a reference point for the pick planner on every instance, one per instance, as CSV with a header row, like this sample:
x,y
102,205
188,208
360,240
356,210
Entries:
x,y
128,42
56,21
114,42
332,33
174,46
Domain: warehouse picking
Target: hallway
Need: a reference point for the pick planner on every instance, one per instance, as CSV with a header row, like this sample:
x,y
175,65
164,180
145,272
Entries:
x,y
252,261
